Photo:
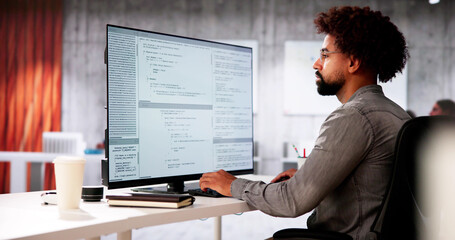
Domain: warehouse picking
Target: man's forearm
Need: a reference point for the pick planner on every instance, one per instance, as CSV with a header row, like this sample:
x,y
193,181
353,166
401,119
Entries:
x,y
273,199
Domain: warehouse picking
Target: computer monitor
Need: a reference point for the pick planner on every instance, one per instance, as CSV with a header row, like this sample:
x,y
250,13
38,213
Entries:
x,y
177,107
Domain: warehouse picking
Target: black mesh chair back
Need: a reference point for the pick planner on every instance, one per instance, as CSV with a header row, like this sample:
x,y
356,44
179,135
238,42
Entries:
x,y
402,215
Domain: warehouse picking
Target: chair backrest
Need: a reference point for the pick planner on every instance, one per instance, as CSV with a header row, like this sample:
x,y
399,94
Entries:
x,y
402,215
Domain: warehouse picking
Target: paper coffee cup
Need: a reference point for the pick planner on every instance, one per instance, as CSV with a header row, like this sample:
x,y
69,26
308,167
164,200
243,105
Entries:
x,y
69,175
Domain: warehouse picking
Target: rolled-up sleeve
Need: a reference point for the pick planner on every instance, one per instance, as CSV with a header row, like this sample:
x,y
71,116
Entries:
x,y
344,140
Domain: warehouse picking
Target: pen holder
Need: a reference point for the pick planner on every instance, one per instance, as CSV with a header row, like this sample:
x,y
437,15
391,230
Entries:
x,y
300,162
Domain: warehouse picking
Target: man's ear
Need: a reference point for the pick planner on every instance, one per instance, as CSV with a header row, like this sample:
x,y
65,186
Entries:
x,y
354,64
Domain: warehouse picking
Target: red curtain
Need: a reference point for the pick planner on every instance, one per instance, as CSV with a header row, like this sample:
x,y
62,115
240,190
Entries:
x,y
30,76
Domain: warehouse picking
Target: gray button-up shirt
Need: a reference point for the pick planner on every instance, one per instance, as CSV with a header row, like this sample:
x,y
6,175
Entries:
x,y
345,177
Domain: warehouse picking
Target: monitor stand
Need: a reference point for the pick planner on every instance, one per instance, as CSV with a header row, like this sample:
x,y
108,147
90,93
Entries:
x,y
172,188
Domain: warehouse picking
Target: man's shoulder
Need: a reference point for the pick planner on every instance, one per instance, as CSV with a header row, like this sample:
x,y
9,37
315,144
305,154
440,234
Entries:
x,y
346,114
375,103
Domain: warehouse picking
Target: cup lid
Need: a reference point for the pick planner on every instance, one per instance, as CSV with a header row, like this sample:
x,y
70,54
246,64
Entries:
x,y
69,159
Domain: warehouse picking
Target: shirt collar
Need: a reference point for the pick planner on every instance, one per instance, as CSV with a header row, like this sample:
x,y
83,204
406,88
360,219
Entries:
x,y
373,88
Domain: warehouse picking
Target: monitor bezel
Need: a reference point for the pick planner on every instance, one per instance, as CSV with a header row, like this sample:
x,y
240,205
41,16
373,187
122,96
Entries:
x,y
170,179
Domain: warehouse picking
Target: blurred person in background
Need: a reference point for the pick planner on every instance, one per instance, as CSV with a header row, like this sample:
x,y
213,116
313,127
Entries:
x,y
443,107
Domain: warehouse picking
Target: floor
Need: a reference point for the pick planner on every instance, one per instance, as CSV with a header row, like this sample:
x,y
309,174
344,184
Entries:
x,y
249,225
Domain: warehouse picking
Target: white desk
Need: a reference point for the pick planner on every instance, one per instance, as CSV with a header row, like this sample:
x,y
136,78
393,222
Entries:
x,y
24,216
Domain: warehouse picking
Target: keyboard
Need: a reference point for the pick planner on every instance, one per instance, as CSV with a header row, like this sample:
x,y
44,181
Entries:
x,y
208,193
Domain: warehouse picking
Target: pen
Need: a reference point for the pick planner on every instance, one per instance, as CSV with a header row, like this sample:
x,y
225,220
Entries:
x,y
297,151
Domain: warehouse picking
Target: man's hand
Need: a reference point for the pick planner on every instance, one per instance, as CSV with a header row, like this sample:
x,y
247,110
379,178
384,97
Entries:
x,y
284,176
219,181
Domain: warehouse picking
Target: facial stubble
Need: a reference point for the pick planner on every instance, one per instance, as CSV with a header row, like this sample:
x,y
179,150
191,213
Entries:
x,y
328,88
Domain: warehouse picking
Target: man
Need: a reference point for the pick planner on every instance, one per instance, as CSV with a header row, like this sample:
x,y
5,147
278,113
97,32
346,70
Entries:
x,y
345,177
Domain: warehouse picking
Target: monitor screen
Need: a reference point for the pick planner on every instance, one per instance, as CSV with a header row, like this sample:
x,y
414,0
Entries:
x,y
177,107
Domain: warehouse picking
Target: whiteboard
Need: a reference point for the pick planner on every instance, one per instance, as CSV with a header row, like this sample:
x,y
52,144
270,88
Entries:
x,y
300,90
254,45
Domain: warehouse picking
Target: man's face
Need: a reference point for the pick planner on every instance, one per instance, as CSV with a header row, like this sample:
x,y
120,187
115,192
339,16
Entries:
x,y
329,76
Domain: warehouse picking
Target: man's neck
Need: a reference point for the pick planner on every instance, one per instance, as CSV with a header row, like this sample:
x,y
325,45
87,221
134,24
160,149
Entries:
x,y
353,84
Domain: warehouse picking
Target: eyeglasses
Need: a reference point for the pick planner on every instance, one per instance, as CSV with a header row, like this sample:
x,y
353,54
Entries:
x,y
323,54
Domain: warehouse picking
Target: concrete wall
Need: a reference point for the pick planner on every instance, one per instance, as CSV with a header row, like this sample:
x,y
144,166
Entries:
x,y
429,29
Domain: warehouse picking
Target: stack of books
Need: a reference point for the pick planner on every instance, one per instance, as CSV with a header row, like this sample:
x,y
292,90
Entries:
x,y
150,200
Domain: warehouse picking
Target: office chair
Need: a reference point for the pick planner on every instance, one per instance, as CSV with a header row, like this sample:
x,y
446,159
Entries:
x,y
401,215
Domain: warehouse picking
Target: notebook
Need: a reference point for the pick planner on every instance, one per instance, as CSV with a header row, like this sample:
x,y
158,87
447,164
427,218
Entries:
x,y
150,200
